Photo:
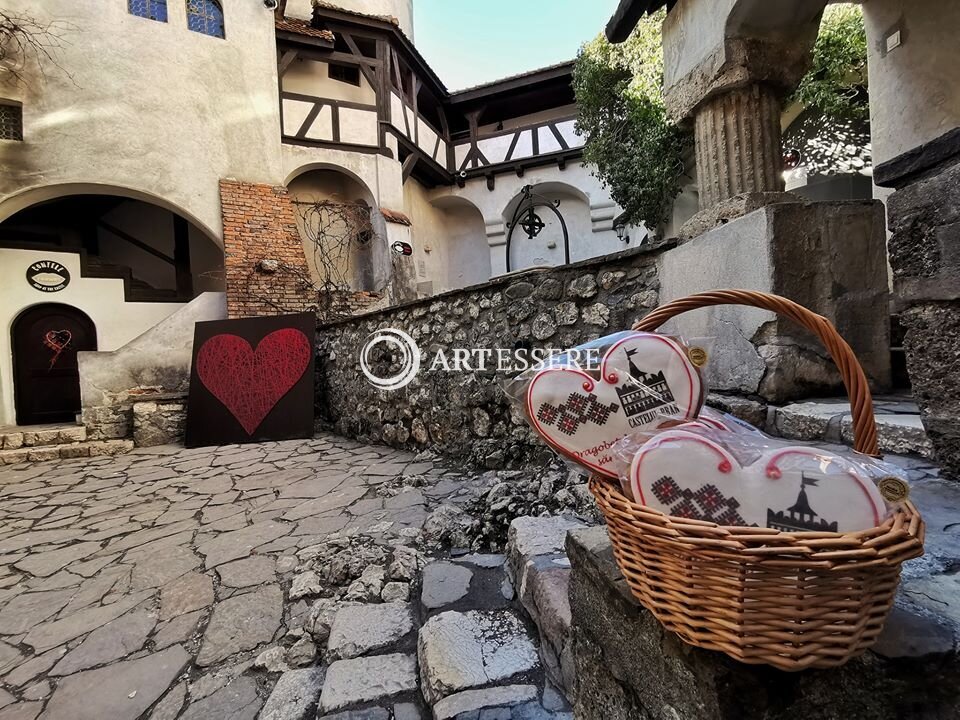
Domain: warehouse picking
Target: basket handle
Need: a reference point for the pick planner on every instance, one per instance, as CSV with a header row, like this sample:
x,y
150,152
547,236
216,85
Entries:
x,y
854,379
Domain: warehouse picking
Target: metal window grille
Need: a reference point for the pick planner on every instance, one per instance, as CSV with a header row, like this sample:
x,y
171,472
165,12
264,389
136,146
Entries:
x,y
152,9
205,16
11,122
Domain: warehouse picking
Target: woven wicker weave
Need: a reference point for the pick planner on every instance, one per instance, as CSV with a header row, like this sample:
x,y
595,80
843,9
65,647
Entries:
x,y
763,596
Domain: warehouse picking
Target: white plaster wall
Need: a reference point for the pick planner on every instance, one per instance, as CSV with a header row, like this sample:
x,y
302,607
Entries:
x,y
449,243
591,232
147,106
117,322
915,88
311,77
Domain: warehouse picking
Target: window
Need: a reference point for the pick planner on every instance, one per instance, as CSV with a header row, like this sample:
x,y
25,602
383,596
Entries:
x,y
344,73
153,9
205,16
11,122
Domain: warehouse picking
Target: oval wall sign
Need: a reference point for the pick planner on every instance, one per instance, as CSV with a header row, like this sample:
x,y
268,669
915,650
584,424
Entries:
x,y
48,276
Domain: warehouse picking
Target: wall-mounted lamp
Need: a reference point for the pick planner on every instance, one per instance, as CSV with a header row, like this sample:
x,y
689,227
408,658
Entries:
x,y
620,228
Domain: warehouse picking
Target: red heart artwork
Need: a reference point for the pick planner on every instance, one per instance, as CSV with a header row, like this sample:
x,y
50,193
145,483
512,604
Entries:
x,y
251,382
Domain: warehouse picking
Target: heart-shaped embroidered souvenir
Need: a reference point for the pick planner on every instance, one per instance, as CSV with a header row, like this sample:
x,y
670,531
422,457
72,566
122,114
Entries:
x,y
644,380
793,489
251,382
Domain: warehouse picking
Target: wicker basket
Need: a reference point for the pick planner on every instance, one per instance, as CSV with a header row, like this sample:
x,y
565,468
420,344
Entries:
x,y
762,596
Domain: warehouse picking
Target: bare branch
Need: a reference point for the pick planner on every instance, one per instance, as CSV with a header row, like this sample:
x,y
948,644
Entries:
x,y
26,41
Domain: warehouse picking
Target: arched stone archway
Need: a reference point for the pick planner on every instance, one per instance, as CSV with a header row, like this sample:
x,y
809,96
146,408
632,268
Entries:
x,y
557,232
342,230
465,253
161,254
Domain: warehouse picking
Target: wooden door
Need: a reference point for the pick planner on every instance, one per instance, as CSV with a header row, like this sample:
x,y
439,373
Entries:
x,y
46,339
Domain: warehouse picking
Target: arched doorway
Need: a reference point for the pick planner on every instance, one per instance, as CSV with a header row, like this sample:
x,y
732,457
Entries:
x,y
538,222
45,340
343,235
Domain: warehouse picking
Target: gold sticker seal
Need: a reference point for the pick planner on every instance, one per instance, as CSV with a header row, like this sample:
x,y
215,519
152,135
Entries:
x,y
893,489
698,356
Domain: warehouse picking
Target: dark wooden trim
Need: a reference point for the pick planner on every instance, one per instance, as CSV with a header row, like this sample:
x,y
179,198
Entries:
x,y
335,122
436,147
309,120
515,83
286,61
527,163
308,40
415,93
181,256
559,136
361,59
431,169
491,182
408,164
139,244
628,14
534,139
328,144
498,133
348,104
372,27
513,146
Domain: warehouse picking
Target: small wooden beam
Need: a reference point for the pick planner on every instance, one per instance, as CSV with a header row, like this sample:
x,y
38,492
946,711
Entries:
x,y
407,166
181,257
491,182
519,169
364,67
286,60
562,162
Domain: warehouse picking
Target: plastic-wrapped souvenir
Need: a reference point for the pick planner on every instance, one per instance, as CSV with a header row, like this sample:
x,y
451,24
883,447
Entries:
x,y
583,401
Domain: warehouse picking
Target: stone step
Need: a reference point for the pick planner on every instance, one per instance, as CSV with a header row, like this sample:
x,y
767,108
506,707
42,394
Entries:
x,y
64,451
15,437
899,429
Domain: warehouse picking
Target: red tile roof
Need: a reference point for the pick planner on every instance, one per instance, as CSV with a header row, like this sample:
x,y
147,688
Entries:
x,y
302,27
395,216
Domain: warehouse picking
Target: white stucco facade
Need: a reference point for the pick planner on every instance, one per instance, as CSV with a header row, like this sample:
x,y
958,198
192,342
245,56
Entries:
x,y
102,299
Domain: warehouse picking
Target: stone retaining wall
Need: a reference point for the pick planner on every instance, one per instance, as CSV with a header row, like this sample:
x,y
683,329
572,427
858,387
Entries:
x,y
466,414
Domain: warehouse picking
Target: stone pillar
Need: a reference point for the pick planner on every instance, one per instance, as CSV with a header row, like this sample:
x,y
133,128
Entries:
x,y
924,221
737,139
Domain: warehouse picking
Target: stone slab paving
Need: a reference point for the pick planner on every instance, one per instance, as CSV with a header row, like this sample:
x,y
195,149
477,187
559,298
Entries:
x,y
172,583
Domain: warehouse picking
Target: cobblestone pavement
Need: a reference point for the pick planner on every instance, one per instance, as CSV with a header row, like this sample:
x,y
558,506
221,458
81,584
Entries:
x,y
173,583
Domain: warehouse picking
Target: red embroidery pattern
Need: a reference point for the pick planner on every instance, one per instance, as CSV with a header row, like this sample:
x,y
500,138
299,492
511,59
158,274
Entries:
x,y
57,340
250,383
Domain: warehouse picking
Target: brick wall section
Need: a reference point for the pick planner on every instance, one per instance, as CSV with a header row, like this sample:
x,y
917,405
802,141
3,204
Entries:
x,y
266,268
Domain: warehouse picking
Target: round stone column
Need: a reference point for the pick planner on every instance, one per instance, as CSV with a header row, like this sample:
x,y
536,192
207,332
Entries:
x,y
737,135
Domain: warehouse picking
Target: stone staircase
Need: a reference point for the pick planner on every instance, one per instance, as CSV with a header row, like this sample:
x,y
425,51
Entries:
x,y
35,443
828,420
467,650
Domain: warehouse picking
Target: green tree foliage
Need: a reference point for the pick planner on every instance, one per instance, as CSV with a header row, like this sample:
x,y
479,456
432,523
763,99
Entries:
x,y
837,81
637,151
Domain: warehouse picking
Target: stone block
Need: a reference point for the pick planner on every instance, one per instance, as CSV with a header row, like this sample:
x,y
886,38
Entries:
x,y
828,256
158,423
444,583
486,699
294,693
461,651
12,440
367,680
629,667
361,629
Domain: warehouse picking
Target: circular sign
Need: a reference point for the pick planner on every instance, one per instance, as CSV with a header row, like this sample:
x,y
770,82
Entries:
x,y
48,276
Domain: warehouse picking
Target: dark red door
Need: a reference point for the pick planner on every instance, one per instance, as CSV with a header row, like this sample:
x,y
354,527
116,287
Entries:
x,y
46,339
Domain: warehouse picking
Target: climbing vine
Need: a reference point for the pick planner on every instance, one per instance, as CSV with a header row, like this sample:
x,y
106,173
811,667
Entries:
x,y
637,151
